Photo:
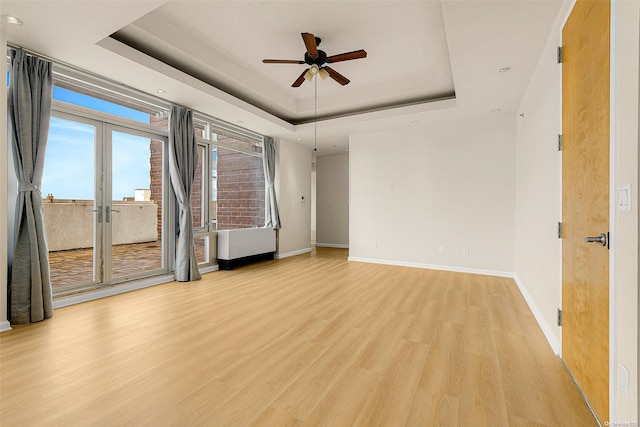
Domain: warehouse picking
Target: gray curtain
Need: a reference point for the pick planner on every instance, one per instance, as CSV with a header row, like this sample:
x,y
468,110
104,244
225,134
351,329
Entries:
x,y
183,160
272,217
30,94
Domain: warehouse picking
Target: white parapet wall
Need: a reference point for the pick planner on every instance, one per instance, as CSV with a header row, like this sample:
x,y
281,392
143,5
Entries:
x,y
70,224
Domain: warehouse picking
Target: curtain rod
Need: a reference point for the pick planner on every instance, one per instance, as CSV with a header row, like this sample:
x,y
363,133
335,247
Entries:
x,y
64,66
30,52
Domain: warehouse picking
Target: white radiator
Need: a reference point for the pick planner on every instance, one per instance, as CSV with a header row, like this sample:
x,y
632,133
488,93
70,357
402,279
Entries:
x,y
245,243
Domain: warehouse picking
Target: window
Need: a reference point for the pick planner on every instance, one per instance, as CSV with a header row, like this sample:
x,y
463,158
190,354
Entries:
x,y
240,183
101,97
106,165
236,184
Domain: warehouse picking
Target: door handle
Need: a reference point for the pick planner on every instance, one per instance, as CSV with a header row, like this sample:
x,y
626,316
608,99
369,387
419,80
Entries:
x,y
98,211
602,239
109,210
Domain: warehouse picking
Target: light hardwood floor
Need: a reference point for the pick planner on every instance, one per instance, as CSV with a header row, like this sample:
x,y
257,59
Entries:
x,y
311,340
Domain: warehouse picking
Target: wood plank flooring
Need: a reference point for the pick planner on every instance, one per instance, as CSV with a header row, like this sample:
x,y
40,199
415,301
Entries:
x,y
311,340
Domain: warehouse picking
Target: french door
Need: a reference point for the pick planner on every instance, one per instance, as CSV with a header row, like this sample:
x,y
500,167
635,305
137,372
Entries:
x,y
103,210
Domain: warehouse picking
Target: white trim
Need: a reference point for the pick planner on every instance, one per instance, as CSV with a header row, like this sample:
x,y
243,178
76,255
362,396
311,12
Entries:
x,y
294,253
112,290
4,186
333,245
556,346
5,326
613,226
454,269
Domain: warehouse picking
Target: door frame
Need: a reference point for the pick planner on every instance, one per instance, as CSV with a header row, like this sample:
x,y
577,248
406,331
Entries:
x,y
105,125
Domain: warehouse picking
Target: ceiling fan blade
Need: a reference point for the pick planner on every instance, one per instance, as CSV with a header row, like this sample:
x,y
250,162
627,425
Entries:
x,y
337,76
356,54
300,79
282,61
310,43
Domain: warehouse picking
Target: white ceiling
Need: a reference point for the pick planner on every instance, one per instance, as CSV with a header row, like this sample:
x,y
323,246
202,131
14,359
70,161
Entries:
x,y
427,60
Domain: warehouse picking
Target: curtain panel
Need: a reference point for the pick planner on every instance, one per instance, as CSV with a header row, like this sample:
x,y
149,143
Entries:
x,y
183,161
272,216
30,97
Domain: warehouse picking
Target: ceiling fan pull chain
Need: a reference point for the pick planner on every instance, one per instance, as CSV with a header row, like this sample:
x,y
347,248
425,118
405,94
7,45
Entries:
x,y
315,115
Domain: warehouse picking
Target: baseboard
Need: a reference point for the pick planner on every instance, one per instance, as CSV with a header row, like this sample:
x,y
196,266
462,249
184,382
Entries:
x,y
333,245
5,326
546,329
294,253
480,271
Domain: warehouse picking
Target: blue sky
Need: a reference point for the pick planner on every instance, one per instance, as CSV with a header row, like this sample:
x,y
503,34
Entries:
x,y
70,157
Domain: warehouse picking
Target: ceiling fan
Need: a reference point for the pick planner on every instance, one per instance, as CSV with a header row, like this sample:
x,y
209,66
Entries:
x,y
316,58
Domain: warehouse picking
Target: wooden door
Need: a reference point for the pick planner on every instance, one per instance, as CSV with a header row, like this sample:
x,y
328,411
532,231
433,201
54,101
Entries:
x,y
585,200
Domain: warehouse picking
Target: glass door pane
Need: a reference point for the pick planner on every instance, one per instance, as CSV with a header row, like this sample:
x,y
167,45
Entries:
x,y
70,209
134,212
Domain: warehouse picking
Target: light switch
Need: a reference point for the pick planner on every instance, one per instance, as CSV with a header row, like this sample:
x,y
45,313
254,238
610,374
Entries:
x,y
623,379
624,197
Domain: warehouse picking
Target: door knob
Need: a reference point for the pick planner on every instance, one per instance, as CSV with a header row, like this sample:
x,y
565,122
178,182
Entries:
x,y
602,239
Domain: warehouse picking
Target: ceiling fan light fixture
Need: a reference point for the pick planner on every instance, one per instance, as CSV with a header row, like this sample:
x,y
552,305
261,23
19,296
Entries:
x,y
311,72
323,73
308,76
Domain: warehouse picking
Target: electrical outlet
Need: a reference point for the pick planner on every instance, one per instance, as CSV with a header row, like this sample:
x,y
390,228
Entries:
x,y
441,250
465,251
623,379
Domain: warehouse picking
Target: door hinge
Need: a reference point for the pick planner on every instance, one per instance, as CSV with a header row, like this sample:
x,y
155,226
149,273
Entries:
x,y
559,317
559,230
559,142
559,55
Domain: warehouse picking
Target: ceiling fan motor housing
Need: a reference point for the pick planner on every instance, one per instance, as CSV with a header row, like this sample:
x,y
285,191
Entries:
x,y
319,60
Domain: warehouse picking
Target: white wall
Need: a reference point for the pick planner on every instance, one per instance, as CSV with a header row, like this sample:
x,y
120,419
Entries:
x,y
4,324
446,185
626,30
538,191
332,220
292,183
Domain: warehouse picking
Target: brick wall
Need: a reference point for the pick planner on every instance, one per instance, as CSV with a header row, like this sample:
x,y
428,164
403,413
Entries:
x,y
241,190
156,179
196,195
156,147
